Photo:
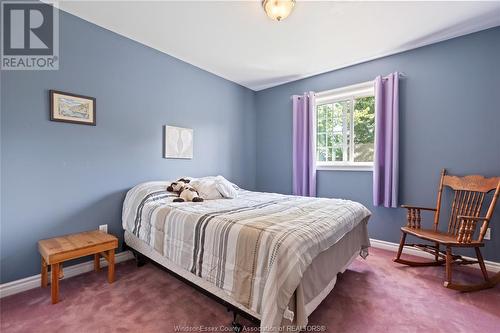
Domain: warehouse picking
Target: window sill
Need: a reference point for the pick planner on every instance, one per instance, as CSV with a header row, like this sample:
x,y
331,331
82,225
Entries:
x,y
348,167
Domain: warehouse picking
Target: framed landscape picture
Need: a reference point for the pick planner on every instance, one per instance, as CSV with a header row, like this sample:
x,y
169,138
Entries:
x,y
72,108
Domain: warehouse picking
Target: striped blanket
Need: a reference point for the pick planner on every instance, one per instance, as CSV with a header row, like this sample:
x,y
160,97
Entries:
x,y
255,247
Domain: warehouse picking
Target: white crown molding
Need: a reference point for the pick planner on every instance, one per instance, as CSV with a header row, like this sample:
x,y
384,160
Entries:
x,y
278,60
17,286
491,266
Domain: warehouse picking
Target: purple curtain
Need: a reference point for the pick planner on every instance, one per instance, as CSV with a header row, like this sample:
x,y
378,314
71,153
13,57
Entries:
x,y
304,159
386,167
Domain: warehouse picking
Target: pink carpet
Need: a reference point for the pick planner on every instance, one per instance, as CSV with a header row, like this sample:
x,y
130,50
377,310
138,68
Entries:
x,y
375,295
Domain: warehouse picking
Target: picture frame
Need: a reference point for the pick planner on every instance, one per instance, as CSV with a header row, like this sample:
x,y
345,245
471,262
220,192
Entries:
x,y
72,108
178,142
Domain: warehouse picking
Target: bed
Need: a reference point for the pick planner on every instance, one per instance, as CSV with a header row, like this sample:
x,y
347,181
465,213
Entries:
x,y
274,257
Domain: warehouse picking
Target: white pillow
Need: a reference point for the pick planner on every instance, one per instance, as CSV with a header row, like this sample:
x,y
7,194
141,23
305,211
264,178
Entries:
x,y
226,188
206,187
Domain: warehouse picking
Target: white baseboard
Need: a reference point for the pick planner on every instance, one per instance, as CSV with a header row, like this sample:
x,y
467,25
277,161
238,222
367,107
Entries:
x,y
491,266
31,282
17,286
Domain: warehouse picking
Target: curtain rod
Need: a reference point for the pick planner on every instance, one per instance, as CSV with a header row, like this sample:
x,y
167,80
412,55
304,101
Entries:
x,y
400,74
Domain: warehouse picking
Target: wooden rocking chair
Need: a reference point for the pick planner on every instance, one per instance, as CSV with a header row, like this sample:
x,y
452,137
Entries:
x,y
468,198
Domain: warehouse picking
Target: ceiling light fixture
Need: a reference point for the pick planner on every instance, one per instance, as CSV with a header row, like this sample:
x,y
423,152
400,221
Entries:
x,y
278,9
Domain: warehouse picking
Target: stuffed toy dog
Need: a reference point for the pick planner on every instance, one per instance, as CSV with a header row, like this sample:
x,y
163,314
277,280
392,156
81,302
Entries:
x,y
185,191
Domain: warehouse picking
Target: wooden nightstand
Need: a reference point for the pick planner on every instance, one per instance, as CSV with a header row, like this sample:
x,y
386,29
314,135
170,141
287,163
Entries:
x,y
54,251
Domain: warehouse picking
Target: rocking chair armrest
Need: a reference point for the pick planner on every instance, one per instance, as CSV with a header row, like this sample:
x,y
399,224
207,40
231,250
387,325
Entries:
x,y
417,207
413,216
467,228
476,218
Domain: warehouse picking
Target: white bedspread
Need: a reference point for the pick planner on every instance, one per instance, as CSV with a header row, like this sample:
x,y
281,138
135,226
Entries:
x,y
255,247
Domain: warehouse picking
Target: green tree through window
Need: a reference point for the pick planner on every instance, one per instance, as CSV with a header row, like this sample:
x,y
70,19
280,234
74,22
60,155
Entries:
x,y
364,129
345,130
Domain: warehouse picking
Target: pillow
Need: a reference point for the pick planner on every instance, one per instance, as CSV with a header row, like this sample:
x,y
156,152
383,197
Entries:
x,y
226,188
206,187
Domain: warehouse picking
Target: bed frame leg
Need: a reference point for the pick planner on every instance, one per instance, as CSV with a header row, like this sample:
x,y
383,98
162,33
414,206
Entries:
x,y
237,327
140,259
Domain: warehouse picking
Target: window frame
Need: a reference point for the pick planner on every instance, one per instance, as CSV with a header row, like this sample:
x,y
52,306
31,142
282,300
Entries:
x,y
351,92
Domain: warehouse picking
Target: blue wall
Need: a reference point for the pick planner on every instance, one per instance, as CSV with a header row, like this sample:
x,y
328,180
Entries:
x,y
449,118
59,178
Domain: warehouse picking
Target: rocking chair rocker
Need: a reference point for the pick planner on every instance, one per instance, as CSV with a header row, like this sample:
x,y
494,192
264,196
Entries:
x,y
468,198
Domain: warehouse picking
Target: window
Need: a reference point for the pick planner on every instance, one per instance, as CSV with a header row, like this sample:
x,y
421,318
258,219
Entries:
x,y
345,128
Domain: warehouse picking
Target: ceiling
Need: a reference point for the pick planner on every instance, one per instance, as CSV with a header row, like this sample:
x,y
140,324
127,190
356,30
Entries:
x,y
237,41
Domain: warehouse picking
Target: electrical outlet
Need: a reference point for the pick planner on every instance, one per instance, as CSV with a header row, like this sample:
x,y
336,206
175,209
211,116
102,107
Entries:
x,y
103,227
487,235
